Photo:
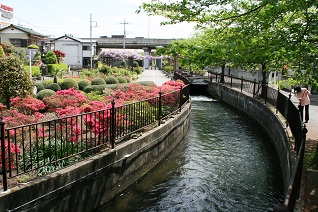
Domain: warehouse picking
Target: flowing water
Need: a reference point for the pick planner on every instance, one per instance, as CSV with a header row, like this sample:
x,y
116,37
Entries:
x,y
226,162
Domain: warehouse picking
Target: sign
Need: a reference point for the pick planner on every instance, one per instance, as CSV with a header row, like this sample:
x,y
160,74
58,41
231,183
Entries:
x,y
6,8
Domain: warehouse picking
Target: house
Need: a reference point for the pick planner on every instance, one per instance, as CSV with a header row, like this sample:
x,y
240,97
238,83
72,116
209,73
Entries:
x,y
22,37
78,52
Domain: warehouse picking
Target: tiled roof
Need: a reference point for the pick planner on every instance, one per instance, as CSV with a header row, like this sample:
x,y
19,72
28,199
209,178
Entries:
x,y
27,30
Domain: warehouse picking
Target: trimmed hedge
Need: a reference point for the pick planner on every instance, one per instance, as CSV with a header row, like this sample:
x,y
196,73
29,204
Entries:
x,y
98,81
121,79
44,93
83,83
69,83
36,71
52,67
54,86
39,86
111,80
95,88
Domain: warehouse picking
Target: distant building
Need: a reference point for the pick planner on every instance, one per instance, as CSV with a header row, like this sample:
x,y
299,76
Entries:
x,y
22,37
78,52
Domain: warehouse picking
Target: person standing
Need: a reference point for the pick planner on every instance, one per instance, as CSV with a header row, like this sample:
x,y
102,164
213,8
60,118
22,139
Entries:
x,y
302,95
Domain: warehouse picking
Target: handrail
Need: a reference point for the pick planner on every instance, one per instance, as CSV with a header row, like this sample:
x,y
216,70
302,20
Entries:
x,y
63,141
288,109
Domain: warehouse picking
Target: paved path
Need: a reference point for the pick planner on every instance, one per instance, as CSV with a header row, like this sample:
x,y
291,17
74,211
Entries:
x,y
310,178
156,76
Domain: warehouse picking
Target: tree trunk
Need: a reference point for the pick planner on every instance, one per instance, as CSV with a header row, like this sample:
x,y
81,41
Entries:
x,y
264,82
222,73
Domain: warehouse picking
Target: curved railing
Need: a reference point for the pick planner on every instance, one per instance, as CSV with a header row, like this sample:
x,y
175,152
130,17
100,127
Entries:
x,y
43,147
290,112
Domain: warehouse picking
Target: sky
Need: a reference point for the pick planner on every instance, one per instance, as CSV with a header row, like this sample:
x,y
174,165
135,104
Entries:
x,y
59,17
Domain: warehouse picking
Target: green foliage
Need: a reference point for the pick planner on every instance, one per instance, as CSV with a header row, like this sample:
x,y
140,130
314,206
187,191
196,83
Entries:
x,y
135,64
33,46
2,54
69,83
10,49
122,79
95,96
36,71
168,69
104,69
39,86
44,93
45,83
54,69
146,83
83,83
37,56
54,86
95,88
14,80
123,64
88,73
311,160
111,80
137,70
98,81
50,58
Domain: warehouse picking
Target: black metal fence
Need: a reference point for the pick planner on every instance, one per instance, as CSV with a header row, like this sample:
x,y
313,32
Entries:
x,y
287,108
43,147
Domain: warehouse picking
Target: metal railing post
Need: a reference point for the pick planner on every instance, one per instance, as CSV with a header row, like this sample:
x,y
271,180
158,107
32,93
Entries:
x,y
231,80
254,88
242,84
160,107
180,99
112,126
3,157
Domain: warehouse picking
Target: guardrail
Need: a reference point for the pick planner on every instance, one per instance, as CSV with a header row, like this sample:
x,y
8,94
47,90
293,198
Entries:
x,y
44,147
286,107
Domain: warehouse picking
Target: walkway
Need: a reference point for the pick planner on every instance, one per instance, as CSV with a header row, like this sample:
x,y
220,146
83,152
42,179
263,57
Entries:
x,y
310,178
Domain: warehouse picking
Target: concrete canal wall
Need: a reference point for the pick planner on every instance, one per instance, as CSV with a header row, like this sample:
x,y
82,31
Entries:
x,y
87,184
274,124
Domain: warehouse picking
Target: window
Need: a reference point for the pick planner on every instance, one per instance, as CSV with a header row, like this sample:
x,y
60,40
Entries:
x,y
86,48
19,42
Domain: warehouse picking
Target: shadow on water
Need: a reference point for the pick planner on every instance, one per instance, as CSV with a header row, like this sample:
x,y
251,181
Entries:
x,y
226,162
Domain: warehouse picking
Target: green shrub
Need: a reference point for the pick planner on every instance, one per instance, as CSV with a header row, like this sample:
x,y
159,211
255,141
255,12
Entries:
x,y
146,83
95,96
88,73
39,86
137,70
168,69
50,58
121,79
45,83
69,83
95,88
53,68
135,64
54,86
104,69
44,93
98,81
111,80
36,71
83,83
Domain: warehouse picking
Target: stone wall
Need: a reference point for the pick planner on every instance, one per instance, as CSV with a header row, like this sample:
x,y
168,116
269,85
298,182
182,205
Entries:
x,y
87,184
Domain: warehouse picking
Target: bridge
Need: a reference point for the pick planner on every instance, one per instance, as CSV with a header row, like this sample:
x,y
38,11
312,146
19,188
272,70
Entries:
x,y
119,42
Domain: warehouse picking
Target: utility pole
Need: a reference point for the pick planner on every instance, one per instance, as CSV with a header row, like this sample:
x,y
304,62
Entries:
x,y
124,32
91,39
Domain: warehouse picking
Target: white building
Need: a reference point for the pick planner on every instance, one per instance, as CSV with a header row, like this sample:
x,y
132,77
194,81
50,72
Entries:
x,y
78,52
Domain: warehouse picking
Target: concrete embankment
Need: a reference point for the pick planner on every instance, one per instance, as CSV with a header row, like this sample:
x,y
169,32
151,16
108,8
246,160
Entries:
x,y
87,184
273,123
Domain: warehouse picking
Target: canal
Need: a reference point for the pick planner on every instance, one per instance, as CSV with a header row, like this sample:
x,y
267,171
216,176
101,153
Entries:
x,y
226,162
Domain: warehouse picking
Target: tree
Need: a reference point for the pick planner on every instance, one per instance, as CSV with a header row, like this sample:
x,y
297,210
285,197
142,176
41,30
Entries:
x,y
270,33
14,79
50,58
